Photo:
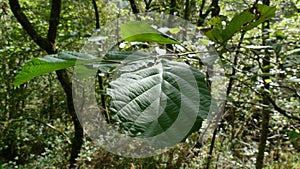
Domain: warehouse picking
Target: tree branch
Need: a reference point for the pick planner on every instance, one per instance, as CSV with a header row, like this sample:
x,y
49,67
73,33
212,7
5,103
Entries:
x,y
187,10
280,110
147,3
49,46
202,15
173,7
231,80
53,22
215,8
133,7
96,14
23,20
266,113
77,142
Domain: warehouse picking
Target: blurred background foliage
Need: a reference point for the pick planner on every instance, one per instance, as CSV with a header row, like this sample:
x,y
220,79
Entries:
x,y
35,129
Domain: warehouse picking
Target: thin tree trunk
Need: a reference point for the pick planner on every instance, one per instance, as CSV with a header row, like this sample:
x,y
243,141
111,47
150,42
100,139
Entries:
x,y
187,10
49,45
173,7
147,3
266,110
133,7
96,14
215,5
77,141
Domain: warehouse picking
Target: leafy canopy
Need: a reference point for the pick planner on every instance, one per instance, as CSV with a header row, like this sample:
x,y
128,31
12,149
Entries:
x,y
151,94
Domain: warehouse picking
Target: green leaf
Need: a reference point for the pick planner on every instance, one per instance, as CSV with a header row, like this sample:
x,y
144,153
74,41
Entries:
x,y
204,42
152,98
243,21
175,30
85,64
236,24
264,13
293,135
267,81
50,63
136,31
214,35
63,38
217,21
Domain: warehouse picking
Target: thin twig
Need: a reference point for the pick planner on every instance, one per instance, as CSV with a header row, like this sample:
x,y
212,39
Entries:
x,y
280,110
231,80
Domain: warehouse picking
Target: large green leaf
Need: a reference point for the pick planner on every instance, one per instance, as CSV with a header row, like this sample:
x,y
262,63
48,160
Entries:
x,y
50,63
236,24
263,14
85,64
243,21
136,31
160,100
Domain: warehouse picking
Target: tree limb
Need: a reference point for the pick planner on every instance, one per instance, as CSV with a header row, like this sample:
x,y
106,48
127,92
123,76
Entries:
x,y
77,142
96,14
49,46
23,20
214,8
280,110
147,3
53,22
202,15
266,113
187,10
133,7
231,80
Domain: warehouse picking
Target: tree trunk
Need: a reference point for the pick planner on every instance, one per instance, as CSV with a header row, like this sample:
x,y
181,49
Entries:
x,y
49,45
77,141
133,7
96,14
266,110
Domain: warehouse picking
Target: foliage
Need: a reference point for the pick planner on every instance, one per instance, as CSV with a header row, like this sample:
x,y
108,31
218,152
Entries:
x,y
136,31
161,83
48,64
241,22
27,111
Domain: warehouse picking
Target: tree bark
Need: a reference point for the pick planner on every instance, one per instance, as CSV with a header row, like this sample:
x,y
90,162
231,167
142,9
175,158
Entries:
x,y
187,11
173,7
266,110
147,3
214,8
77,141
133,7
27,26
49,45
96,14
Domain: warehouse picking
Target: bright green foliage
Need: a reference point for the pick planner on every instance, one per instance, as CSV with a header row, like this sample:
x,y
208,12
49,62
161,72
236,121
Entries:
x,y
34,145
243,21
262,14
131,31
135,31
145,89
50,63
152,92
